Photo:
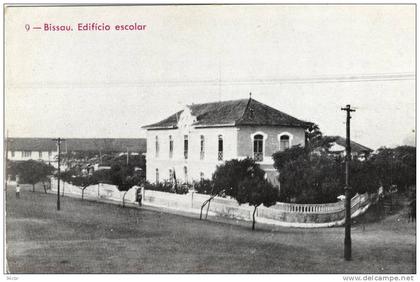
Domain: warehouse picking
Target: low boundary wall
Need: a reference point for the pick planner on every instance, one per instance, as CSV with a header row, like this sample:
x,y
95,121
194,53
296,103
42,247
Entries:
x,y
283,214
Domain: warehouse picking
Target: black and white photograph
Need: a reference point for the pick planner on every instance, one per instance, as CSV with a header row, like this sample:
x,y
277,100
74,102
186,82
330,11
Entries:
x,y
213,138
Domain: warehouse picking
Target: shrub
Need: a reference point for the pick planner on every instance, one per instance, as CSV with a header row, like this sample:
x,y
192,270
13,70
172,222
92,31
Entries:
x,y
204,186
167,186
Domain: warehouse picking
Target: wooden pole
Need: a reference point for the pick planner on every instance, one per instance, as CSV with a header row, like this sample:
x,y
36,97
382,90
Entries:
x,y
58,140
347,232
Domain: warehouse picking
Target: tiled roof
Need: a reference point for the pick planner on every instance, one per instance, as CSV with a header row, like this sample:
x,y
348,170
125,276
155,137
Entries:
x,y
79,144
31,144
234,112
355,147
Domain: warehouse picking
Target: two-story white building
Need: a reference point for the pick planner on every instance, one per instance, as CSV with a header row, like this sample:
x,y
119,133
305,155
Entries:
x,y
192,142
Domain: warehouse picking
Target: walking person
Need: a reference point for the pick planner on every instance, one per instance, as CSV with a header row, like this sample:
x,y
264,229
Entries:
x,y
139,196
17,191
17,187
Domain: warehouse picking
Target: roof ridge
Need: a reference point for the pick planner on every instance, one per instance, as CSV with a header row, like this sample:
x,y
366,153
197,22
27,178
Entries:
x,y
246,108
218,102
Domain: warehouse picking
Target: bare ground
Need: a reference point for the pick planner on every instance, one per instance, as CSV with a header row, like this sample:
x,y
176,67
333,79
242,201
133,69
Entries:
x,y
89,237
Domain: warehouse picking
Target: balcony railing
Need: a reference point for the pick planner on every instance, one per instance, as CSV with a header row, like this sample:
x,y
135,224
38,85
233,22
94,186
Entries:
x,y
220,156
258,156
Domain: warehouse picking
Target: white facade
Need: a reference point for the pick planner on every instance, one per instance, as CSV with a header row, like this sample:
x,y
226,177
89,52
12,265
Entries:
x,y
192,149
46,156
198,164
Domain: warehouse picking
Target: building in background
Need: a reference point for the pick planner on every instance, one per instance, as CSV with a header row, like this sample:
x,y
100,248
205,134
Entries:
x,y
45,149
338,147
191,143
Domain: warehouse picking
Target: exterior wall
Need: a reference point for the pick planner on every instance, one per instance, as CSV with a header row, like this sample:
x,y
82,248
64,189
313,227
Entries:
x,y
271,140
194,164
237,143
19,156
282,214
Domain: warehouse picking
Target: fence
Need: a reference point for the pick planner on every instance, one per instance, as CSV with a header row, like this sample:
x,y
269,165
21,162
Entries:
x,y
284,214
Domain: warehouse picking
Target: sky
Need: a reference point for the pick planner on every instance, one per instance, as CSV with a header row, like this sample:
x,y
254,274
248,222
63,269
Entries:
x,y
307,61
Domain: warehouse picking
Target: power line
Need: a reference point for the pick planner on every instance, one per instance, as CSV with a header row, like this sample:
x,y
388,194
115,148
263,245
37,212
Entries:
x,y
218,82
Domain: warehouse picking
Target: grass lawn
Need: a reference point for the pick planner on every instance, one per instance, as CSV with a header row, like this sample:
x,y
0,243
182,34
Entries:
x,y
89,237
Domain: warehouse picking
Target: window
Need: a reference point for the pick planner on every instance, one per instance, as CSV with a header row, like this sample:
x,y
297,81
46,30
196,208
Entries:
x,y
202,147
40,155
284,142
201,176
185,174
258,147
26,154
220,148
185,146
13,154
157,176
157,147
171,147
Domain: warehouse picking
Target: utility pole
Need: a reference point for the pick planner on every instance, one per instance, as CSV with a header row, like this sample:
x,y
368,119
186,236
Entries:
x,y
347,188
58,140
128,156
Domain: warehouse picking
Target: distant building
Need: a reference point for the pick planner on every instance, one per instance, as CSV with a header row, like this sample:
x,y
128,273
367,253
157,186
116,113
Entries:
x,y
338,147
190,144
45,149
23,149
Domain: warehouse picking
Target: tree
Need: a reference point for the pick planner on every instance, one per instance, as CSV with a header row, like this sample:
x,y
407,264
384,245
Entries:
x,y
84,181
395,166
124,177
256,191
11,169
228,175
245,181
308,178
363,176
33,172
282,157
315,140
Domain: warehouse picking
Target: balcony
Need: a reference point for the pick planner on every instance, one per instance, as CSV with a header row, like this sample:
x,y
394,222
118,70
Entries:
x,y
258,156
220,156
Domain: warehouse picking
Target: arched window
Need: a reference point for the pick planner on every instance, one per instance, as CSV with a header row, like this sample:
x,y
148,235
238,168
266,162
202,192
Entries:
x,y
171,147
258,147
284,142
202,147
157,147
220,148
157,175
